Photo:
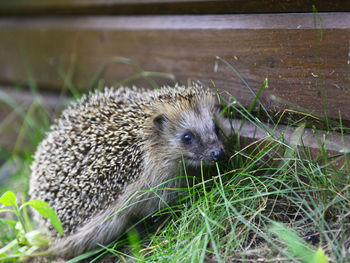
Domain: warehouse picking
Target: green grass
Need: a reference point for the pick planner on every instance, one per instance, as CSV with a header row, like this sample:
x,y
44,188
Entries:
x,y
232,216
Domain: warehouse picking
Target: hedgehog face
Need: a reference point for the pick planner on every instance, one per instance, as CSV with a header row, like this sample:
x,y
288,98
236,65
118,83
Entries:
x,y
196,148
201,136
196,134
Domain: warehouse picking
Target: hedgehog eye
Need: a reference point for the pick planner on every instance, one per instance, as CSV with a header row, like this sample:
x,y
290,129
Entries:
x,y
187,137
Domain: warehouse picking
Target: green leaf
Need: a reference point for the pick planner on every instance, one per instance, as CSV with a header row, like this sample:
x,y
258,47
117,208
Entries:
x,y
8,198
296,245
36,203
39,206
54,220
320,257
47,212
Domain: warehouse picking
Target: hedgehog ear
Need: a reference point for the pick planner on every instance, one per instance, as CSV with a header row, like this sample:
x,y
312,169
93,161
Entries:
x,y
159,122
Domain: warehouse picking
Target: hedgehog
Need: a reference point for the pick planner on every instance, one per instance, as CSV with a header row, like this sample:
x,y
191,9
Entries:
x,y
117,154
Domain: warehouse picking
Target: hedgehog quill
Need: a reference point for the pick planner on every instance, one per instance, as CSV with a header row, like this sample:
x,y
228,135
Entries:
x,y
102,155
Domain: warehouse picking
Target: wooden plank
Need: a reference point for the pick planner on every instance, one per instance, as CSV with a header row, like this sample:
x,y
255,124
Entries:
x,y
280,47
99,7
316,144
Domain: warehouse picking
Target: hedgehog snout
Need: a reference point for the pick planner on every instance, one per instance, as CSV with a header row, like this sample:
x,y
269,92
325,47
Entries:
x,y
218,155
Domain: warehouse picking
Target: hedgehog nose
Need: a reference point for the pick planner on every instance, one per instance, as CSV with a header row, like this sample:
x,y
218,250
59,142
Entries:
x,y
218,155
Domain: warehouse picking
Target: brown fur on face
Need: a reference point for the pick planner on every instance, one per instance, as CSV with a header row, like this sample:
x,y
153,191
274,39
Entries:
x,y
199,118
104,152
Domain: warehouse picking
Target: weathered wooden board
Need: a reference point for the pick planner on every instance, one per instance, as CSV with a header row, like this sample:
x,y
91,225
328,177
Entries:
x,y
281,47
79,7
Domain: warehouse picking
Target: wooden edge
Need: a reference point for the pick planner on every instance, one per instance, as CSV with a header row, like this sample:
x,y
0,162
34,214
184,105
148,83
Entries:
x,y
94,7
298,21
328,148
297,136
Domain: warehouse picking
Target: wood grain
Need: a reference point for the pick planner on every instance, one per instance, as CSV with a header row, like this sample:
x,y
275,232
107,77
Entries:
x,y
280,47
98,7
